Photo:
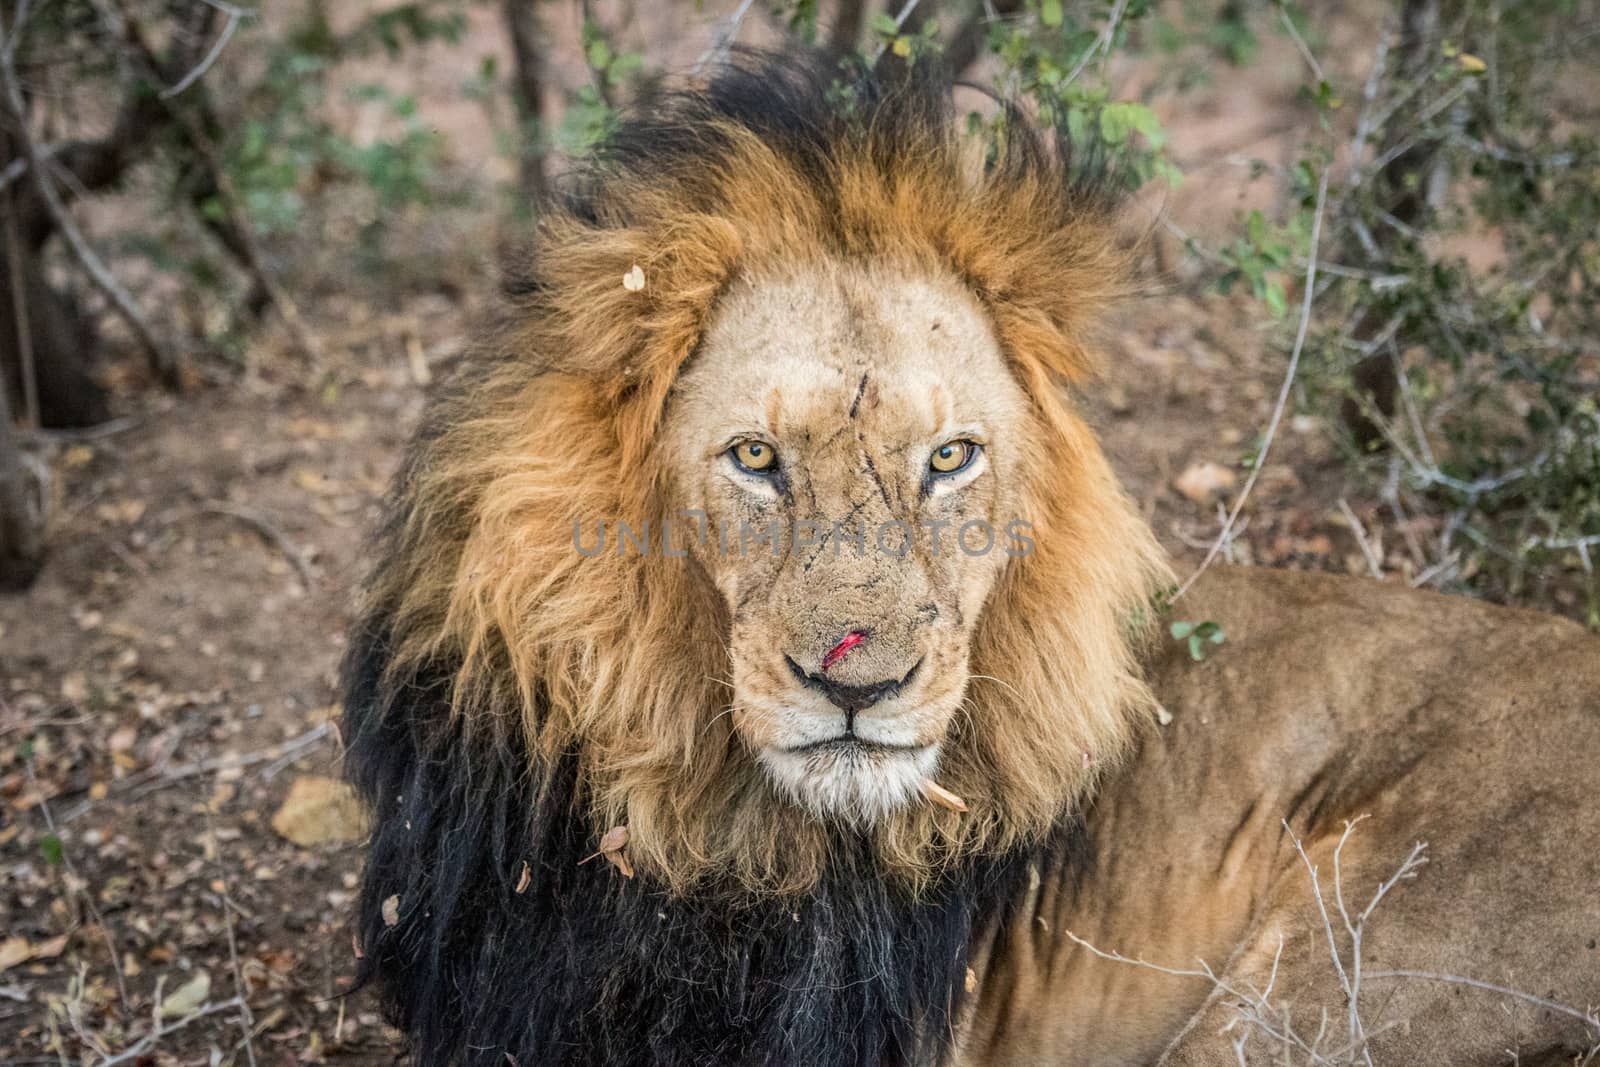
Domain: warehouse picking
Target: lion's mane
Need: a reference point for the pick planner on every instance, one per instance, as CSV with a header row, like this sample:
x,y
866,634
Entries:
x,y
508,699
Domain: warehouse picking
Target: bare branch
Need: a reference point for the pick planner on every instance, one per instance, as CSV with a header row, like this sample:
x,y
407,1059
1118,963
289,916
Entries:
x,y
1591,1018
1374,565
1101,44
235,16
1300,43
1284,390
98,273
899,21
726,34
194,121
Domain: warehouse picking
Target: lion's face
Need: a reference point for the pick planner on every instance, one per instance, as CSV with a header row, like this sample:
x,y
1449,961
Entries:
x,y
850,435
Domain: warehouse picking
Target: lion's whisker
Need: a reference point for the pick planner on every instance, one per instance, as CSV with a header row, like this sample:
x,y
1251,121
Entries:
x,y
998,681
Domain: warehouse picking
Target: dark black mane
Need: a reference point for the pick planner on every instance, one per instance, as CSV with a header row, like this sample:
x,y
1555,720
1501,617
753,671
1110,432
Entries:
x,y
585,966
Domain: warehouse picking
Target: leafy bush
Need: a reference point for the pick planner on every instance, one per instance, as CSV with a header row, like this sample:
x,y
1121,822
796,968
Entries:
x,y
1468,385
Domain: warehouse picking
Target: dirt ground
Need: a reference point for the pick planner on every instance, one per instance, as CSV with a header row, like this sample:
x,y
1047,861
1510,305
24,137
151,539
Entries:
x,y
169,680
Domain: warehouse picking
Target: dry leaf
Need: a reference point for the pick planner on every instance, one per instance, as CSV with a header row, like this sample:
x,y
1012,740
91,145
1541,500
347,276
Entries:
x,y
1471,63
620,861
942,796
188,997
524,879
320,811
49,948
14,950
391,910
1204,480
611,847
971,983
633,281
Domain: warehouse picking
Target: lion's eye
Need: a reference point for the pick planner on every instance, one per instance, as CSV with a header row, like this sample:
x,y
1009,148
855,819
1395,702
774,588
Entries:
x,y
757,457
952,456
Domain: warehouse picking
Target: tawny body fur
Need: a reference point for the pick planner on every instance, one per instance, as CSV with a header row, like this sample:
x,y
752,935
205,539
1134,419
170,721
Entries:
x,y
1470,728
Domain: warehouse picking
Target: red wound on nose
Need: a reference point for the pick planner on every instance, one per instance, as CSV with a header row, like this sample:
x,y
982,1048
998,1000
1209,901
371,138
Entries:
x,y
842,649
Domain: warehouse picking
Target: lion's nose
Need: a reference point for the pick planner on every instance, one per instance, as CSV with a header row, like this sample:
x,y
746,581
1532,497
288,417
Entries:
x,y
851,698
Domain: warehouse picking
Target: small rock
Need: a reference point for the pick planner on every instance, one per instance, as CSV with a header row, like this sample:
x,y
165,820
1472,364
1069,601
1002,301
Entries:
x,y
320,811
1202,481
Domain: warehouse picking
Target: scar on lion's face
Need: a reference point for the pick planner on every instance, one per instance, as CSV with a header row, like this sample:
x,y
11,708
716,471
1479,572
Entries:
x,y
868,418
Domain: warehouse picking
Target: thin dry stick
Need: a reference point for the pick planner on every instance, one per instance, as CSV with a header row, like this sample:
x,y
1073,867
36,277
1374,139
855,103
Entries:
x,y
1590,1018
145,783
1373,564
98,273
726,35
247,1020
1300,43
1327,929
1252,1006
1282,404
145,1043
235,16
899,20
1101,43
274,536
88,898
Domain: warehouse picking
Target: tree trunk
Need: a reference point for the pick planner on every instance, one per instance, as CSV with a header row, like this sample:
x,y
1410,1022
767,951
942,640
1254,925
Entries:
x,y
845,32
527,92
22,510
60,340
1405,185
970,39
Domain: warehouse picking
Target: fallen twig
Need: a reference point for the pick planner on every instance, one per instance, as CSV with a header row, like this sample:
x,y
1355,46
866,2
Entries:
x,y
274,536
144,1044
147,782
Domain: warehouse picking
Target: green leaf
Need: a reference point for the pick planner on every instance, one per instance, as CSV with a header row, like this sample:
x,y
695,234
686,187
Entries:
x,y
1256,227
598,54
1050,13
50,849
1196,635
1114,127
1277,302
885,25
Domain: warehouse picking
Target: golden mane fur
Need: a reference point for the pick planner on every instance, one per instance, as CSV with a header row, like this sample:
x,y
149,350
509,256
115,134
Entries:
x,y
618,659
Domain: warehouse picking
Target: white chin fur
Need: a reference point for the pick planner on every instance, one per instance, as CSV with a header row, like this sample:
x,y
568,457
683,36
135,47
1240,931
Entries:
x,y
858,787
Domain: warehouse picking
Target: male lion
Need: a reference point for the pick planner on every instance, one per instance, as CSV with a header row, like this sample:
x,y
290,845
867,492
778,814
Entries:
x,y
765,527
